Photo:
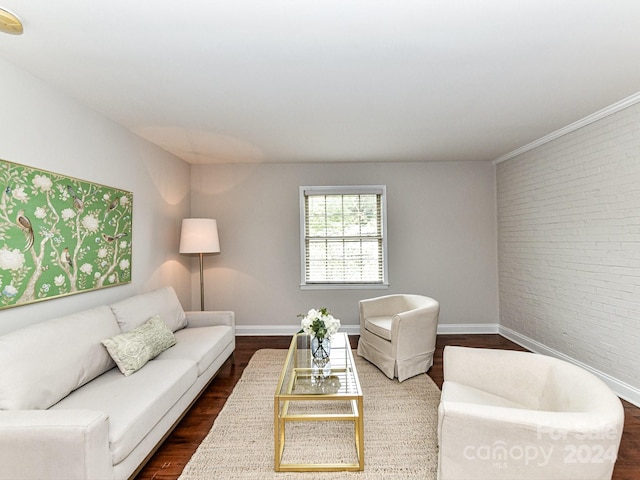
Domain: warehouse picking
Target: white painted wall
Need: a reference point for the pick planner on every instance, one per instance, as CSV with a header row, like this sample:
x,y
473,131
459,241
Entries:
x,y
569,246
43,129
441,223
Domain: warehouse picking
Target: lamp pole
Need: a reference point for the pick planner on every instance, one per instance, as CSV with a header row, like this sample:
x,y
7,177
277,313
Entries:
x,y
201,282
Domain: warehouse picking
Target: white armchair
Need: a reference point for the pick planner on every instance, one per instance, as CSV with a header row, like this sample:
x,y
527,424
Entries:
x,y
398,333
518,415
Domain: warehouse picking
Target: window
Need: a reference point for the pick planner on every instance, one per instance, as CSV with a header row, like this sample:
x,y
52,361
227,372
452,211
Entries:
x,y
343,236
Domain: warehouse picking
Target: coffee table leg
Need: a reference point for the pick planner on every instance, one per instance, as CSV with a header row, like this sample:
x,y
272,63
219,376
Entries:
x,y
276,431
360,433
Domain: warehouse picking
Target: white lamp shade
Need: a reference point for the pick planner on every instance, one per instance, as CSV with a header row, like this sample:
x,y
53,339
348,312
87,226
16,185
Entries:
x,y
199,235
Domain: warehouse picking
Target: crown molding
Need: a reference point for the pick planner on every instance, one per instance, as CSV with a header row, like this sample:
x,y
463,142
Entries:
x,y
594,117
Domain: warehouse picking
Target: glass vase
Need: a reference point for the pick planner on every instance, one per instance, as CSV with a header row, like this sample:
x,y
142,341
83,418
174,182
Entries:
x,y
320,349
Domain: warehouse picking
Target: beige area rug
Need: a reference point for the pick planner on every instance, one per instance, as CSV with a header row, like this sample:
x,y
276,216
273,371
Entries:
x,y
400,430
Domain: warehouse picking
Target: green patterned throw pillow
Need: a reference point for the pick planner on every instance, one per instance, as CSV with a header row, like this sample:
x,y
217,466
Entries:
x,y
132,350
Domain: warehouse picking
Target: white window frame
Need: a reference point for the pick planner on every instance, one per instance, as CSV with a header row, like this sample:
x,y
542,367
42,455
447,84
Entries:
x,y
343,190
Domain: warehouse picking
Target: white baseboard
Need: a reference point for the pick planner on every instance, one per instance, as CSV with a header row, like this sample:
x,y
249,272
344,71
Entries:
x,y
467,328
623,390
443,329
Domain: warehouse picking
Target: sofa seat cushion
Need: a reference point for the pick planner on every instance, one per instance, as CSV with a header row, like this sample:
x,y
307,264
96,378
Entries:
x,y
44,362
134,404
380,326
201,345
456,392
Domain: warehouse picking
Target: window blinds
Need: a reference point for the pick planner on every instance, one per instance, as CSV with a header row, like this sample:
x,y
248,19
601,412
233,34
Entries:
x,y
343,235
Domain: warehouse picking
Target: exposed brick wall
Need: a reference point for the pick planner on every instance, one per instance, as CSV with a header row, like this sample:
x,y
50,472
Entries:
x,y
569,244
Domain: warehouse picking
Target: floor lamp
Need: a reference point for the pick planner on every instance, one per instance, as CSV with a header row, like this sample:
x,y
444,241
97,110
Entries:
x,y
199,235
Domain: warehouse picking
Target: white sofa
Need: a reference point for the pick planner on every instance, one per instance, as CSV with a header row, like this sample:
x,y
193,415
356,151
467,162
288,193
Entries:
x,y
518,415
66,410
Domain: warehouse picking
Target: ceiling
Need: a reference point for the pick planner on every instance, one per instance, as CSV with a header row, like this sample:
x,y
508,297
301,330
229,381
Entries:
x,y
223,81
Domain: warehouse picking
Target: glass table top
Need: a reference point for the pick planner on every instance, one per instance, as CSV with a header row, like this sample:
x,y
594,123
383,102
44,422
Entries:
x,y
302,375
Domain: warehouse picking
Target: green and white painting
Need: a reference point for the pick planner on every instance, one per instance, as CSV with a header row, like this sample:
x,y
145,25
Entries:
x,y
60,235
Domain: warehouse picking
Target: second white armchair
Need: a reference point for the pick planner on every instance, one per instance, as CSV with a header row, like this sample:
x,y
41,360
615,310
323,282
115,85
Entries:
x,y
507,415
398,333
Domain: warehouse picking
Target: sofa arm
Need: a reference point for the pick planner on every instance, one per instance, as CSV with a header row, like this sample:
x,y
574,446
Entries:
x,y
411,330
484,442
54,444
210,318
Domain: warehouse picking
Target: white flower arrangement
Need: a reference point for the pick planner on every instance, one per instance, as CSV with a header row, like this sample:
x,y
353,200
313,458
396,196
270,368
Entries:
x,y
319,323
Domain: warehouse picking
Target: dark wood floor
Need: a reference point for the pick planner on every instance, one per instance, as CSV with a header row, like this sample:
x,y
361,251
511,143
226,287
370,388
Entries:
x,y
176,451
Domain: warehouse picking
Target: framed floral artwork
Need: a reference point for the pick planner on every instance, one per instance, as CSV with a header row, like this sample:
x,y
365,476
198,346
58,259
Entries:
x,y
60,235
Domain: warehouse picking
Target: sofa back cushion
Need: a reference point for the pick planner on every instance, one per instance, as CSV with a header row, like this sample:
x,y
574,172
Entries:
x,y
518,377
42,363
134,311
571,388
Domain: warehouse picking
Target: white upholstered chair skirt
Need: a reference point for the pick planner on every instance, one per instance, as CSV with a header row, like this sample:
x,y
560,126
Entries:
x,y
398,333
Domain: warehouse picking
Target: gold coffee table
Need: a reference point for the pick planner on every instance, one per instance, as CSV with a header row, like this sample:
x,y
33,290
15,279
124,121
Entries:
x,y
305,380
